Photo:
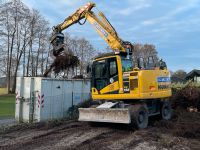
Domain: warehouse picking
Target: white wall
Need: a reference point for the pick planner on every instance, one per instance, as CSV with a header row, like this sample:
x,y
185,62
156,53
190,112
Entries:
x,y
198,79
51,97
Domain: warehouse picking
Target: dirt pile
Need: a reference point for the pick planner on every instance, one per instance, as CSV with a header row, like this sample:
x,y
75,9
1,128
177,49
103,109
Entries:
x,y
183,124
188,96
63,61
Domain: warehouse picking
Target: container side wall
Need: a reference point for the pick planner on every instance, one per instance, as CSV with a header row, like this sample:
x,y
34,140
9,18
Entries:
x,y
17,96
57,95
77,92
67,99
86,90
46,90
37,94
51,98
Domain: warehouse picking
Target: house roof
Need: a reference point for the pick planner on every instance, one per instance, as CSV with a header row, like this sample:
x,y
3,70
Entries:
x,y
193,73
177,79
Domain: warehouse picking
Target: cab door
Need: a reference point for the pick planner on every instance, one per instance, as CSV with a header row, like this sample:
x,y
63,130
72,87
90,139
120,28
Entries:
x,y
100,75
105,76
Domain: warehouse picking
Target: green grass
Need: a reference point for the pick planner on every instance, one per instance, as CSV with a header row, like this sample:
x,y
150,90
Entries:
x,y
7,106
3,91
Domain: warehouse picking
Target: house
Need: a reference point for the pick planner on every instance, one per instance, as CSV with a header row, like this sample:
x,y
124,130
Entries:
x,y
177,80
194,76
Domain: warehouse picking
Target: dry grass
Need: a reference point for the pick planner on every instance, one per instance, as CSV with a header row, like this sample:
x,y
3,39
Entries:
x,y
3,91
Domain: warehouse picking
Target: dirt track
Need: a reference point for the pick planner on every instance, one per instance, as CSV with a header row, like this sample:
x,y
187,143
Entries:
x,y
180,133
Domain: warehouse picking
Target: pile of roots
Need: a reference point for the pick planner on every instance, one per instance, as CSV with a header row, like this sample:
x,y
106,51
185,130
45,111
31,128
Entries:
x,y
65,60
183,124
186,97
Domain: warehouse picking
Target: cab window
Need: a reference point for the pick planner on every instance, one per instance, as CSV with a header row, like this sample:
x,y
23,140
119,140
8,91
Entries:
x,y
127,65
113,67
100,69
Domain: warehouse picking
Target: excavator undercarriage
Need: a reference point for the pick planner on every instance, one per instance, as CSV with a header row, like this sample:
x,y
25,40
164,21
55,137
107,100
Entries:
x,y
136,114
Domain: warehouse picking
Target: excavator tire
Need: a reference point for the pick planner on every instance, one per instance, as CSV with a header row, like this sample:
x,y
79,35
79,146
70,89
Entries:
x,y
166,110
139,116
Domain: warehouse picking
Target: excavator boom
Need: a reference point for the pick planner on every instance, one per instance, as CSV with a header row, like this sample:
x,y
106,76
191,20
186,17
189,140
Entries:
x,y
100,24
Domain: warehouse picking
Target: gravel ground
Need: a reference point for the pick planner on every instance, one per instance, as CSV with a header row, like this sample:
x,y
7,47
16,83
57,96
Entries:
x,y
7,122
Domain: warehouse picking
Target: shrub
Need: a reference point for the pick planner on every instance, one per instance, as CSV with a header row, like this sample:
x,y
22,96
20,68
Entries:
x,y
186,95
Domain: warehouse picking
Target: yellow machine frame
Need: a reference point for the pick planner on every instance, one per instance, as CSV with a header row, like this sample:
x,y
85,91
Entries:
x,y
143,84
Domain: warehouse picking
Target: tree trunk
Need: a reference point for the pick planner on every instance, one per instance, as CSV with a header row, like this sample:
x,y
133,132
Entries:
x,y
42,64
28,59
37,57
19,55
15,74
10,58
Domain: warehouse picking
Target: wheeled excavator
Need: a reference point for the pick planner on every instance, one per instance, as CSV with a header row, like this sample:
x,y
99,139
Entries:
x,y
123,90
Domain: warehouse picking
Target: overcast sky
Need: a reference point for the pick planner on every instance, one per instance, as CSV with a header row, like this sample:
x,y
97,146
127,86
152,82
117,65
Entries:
x,y
173,26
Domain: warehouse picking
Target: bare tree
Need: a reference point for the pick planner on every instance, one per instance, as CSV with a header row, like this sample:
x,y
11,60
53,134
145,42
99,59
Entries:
x,y
85,53
144,51
11,15
25,47
181,74
24,33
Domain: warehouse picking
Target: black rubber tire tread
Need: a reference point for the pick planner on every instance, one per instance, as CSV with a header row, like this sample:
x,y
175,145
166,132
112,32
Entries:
x,y
134,111
164,104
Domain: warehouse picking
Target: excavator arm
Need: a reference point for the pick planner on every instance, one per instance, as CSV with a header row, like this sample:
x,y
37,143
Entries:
x,y
99,22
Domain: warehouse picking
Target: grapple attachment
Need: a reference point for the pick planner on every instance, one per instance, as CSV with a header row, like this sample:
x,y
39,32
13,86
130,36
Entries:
x,y
57,41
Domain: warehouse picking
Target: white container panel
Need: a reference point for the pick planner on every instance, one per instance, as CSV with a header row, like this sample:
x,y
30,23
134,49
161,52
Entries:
x,y
46,90
77,92
86,90
26,109
57,88
27,87
46,99
17,95
67,99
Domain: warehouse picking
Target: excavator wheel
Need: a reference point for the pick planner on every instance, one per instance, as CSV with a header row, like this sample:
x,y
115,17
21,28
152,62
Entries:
x,y
166,110
139,116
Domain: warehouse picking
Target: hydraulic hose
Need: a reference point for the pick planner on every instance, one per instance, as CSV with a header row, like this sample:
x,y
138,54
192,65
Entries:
x,y
79,19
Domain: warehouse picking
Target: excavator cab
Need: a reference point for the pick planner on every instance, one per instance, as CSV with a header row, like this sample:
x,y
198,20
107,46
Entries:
x,y
104,72
107,73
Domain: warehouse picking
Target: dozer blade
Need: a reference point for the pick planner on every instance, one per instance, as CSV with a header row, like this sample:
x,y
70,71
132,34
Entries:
x,y
112,115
